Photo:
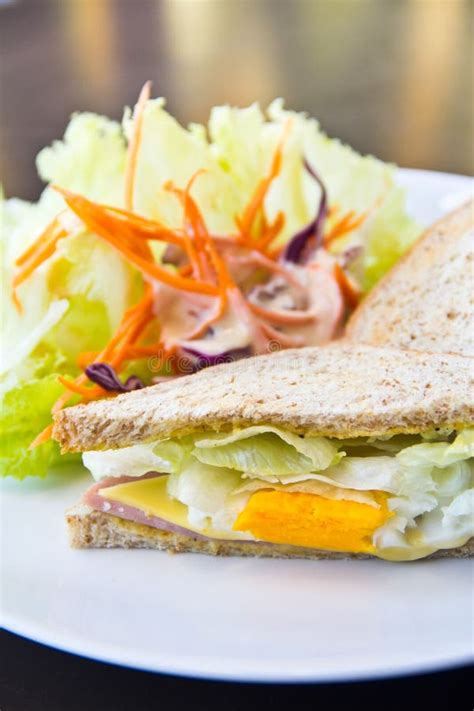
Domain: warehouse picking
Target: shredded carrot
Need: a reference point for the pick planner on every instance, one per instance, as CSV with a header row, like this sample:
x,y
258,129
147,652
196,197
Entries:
x,y
131,325
346,224
37,253
16,301
246,221
349,292
41,255
87,212
65,397
202,239
271,232
88,393
190,248
134,144
44,436
38,243
141,227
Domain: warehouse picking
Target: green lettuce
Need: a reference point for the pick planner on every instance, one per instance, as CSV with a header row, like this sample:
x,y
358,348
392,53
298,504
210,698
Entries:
x,y
72,303
89,160
203,487
268,452
439,454
26,410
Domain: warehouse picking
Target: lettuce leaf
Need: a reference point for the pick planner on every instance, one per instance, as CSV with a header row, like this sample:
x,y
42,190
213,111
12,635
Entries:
x,y
389,234
72,302
166,457
203,487
25,410
439,454
130,461
181,153
89,160
267,452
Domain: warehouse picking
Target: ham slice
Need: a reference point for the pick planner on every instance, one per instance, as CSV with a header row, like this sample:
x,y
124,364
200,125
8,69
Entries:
x,y
100,503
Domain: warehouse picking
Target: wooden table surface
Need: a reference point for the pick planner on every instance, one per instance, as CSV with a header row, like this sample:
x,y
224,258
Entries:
x,y
391,77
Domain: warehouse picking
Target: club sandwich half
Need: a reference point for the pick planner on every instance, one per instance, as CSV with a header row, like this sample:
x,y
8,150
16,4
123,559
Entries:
x,y
341,451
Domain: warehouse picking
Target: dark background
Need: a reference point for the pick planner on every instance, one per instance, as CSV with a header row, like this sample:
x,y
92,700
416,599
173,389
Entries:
x,y
34,678
391,77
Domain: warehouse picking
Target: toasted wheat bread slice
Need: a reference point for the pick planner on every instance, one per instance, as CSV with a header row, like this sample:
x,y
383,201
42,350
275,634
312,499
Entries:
x,y
339,391
426,302
93,529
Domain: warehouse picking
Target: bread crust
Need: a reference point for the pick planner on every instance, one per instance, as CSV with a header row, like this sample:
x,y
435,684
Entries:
x,y
425,301
94,529
342,390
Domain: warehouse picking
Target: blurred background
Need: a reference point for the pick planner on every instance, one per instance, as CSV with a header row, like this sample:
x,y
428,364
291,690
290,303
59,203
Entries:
x,y
390,77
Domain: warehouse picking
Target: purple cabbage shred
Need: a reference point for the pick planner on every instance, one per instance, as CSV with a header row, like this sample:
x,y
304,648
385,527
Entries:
x,y
104,375
204,360
309,238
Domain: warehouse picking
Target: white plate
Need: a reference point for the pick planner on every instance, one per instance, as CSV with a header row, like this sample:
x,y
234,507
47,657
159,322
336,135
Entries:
x,y
236,619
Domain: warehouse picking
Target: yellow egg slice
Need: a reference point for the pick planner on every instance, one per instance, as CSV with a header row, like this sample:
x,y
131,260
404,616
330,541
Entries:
x,y
312,521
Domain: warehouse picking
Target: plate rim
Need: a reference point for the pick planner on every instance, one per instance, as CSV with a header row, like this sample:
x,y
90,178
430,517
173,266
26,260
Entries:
x,y
213,668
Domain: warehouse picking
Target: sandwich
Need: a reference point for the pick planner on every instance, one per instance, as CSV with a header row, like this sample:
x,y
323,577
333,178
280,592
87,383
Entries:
x,y
426,301
338,451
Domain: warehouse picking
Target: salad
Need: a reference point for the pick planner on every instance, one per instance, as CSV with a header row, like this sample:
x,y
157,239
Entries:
x,y
156,250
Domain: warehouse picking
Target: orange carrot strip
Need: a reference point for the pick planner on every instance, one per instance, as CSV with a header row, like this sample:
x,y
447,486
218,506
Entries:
x,y
144,228
16,301
134,144
346,224
272,231
349,292
34,256
44,436
203,239
36,259
133,351
141,226
79,206
246,220
38,242
117,360
74,387
194,250
86,358
186,270
128,320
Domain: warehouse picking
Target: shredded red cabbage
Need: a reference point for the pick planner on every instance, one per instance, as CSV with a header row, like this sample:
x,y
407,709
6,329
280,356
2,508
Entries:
x,y
104,375
308,239
204,360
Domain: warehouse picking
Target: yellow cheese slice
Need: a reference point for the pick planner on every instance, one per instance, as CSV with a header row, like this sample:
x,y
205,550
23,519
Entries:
x,y
151,497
